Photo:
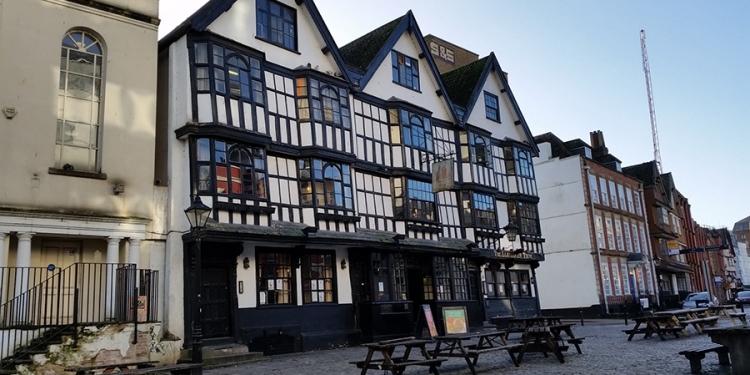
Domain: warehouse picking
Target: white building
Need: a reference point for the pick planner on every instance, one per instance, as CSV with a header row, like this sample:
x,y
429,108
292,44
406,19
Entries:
x,y
594,219
77,197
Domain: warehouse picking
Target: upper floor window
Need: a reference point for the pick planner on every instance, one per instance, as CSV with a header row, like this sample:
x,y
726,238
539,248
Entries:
x,y
417,130
479,209
621,195
605,195
79,106
613,194
662,215
518,162
526,215
328,183
277,24
329,104
629,196
230,169
491,107
419,200
594,188
228,72
405,70
478,149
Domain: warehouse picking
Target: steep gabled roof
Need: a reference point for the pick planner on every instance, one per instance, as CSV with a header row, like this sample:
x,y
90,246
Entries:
x,y
366,59
466,84
210,11
645,172
460,83
360,52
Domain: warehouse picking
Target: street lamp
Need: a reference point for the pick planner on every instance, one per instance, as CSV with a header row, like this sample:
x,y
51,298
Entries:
x,y
197,215
511,231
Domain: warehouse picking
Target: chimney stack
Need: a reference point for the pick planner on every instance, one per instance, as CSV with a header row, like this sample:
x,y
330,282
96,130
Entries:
x,y
598,149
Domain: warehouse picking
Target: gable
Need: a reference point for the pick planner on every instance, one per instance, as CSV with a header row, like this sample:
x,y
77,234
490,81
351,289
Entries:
x,y
507,127
238,23
381,83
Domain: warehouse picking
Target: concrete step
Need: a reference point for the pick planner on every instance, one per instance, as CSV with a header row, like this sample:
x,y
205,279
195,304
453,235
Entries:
x,y
231,360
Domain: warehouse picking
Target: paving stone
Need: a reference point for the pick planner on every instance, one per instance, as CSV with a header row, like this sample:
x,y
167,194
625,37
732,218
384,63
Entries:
x,y
605,351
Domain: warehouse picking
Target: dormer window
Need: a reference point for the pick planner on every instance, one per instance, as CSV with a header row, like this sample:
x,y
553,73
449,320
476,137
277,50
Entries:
x,y
491,106
276,24
405,70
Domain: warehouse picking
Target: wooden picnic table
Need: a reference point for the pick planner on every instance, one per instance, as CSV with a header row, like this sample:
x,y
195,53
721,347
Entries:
x,y
397,365
723,310
541,339
487,342
521,324
107,368
659,324
698,318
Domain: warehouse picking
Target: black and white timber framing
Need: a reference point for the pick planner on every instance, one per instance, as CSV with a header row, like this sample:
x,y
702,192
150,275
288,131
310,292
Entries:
x,y
317,163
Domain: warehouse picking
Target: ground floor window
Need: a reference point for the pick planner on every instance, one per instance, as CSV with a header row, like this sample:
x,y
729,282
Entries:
x,y
317,278
274,279
451,278
519,283
389,276
495,283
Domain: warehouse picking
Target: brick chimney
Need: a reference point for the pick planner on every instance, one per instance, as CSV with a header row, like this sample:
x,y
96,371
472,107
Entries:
x,y
598,149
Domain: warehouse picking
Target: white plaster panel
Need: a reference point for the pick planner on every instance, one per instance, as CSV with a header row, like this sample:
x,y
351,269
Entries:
x,y
343,284
381,84
247,299
205,113
561,288
260,116
221,110
506,128
235,108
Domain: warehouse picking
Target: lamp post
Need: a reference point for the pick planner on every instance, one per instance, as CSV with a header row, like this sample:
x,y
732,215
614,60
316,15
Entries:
x,y
197,215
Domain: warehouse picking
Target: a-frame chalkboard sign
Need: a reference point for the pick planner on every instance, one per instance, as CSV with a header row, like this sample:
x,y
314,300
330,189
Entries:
x,y
425,320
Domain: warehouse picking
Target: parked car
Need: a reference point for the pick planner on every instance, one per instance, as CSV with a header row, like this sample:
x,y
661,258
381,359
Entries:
x,y
743,297
698,299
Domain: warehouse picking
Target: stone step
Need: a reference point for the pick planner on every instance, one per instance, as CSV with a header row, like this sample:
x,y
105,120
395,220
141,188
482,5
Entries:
x,y
231,360
223,355
222,350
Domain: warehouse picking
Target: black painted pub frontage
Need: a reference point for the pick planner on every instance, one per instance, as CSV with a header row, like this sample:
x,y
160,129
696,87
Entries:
x,y
389,280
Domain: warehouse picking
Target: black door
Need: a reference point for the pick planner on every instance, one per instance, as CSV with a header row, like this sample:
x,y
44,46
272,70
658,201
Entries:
x,y
217,311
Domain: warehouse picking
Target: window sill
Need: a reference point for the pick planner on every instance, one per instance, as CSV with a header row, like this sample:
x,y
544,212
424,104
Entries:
x,y
62,172
423,228
408,87
277,45
245,208
335,217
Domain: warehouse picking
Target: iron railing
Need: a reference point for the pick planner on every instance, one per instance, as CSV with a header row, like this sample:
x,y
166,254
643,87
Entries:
x,y
81,294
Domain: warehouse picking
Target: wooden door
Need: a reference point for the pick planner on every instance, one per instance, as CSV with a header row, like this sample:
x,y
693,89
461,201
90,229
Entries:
x,y
56,294
216,302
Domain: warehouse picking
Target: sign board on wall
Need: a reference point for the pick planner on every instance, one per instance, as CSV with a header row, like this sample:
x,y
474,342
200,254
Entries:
x,y
673,247
442,175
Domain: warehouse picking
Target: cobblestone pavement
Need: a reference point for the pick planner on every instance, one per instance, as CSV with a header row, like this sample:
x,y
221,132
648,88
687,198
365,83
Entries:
x,y
605,351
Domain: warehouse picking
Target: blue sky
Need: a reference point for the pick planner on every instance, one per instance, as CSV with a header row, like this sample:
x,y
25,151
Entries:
x,y
575,67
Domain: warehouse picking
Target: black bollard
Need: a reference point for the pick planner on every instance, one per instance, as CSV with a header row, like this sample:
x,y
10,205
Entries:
x,y
581,316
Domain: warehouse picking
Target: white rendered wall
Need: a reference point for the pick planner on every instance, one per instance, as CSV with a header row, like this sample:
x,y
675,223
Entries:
x,y
567,277
238,24
507,127
381,84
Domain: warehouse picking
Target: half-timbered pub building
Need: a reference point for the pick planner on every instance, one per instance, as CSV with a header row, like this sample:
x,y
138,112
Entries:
x,y
328,224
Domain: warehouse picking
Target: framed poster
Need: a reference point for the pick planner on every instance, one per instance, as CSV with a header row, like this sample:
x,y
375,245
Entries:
x,y
454,320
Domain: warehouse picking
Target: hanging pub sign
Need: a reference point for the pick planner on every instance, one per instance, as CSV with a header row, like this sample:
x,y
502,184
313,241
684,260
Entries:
x,y
442,175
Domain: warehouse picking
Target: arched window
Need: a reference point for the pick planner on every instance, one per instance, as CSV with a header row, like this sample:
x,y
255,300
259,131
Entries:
x,y
79,102
239,77
331,105
237,170
329,183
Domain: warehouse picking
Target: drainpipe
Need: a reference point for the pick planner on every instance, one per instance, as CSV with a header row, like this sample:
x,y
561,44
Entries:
x,y
596,244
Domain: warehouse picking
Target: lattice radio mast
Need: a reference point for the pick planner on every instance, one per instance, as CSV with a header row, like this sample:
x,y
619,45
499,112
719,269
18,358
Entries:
x,y
654,130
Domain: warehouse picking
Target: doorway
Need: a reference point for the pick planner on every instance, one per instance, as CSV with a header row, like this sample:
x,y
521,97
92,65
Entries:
x,y
58,293
216,300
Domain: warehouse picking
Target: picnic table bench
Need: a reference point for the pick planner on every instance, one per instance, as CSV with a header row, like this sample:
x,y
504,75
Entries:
x,y
487,342
700,323
740,315
397,365
178,369
696,355
108,368
660,325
